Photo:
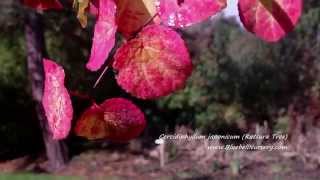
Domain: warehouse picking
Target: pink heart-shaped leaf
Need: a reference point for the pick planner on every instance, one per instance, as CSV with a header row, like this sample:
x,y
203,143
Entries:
x,y
124,120
270,20
154,64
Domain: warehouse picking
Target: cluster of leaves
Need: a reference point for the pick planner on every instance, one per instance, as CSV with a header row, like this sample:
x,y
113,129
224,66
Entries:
x,y
153,61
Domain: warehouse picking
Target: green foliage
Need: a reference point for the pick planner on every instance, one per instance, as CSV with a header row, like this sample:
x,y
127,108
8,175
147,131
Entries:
x,y
16,131
37,177
12,72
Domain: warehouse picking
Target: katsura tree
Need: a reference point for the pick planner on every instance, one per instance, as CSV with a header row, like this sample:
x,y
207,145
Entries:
x,y
151,62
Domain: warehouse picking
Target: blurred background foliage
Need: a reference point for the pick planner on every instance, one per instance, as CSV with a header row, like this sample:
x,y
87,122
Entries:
x,y
238,80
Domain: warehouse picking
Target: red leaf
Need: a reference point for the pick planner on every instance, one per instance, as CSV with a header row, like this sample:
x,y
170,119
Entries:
x,y
182,13
154,64
115,119
124,120
43,4
270,20
132,15
91,124
56,101
104,35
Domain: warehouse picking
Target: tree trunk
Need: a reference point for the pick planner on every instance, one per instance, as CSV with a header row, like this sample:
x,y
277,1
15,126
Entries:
x,y
56,150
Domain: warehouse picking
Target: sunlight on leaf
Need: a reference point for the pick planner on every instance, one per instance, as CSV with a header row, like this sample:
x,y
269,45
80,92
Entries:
x,y
133,15
81,6
184,13
104,35
56,101
270,20
154,64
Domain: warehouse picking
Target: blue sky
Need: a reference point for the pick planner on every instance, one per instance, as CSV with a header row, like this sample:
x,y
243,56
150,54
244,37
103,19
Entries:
x,y
232,9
